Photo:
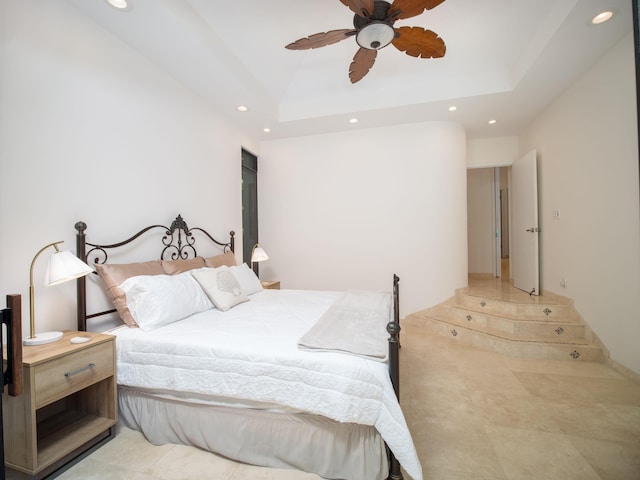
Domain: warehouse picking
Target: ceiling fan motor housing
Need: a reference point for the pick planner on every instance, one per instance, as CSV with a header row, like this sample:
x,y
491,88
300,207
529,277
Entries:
x,y
375,31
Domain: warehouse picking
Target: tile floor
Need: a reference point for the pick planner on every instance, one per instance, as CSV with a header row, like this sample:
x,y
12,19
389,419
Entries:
x,y
473,414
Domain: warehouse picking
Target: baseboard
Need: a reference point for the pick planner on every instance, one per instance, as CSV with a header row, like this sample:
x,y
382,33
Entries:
x,y
622,370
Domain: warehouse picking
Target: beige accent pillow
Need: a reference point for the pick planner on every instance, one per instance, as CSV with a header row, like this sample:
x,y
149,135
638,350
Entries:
x,y
228,259
221,286
171,267
114,274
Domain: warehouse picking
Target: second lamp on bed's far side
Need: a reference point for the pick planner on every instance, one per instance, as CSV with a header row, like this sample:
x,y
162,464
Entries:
x,y
258,255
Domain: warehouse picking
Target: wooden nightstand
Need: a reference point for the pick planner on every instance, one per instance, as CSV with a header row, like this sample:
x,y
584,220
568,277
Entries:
x,y
69,405
271,284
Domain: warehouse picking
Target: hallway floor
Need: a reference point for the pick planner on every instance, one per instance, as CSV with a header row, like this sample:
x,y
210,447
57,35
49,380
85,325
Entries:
x,y
473,414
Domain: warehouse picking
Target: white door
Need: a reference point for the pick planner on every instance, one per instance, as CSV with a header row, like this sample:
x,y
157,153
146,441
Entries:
x,y
524,228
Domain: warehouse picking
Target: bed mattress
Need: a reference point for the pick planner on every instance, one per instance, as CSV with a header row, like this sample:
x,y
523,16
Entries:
x,y
249,356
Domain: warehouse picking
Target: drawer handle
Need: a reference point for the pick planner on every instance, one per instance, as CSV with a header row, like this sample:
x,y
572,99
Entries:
x,y
80,370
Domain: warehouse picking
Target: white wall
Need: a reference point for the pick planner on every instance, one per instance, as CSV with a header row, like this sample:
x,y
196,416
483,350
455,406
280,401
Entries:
x,y
588,169
491,152
348,210
480,220
90,130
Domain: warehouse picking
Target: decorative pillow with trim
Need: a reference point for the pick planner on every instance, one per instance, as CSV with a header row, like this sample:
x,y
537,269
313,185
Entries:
x,y
221,286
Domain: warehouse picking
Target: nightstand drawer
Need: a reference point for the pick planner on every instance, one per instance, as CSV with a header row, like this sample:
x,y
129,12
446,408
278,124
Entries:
x,y
72,372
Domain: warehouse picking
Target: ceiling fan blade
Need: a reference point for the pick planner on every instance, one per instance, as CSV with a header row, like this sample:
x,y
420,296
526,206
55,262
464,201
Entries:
x,y
321,39
418,42
356,6
411,8
362,62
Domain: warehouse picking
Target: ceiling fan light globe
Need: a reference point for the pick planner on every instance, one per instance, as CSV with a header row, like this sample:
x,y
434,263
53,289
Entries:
x,y
375,36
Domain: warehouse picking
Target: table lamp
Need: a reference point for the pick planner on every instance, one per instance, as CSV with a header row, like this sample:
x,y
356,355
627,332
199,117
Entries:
x,y
63,266
258,255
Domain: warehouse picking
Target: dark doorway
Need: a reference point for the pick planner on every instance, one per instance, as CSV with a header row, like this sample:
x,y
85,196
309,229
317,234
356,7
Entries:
x,y
249,205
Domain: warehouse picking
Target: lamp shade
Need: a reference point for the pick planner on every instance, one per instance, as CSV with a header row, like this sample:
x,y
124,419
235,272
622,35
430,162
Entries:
x,y
258,254
64,266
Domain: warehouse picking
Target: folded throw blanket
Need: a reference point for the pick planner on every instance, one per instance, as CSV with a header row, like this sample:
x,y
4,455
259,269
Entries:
x,y
355,324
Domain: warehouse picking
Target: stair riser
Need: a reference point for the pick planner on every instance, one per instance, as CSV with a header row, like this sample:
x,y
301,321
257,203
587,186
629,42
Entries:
x,y
524,328
489,306
516,349
536,329
562,331
515,310
459,316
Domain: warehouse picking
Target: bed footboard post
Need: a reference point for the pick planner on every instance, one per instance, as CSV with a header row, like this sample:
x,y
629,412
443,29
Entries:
x,y
394,358
393,328
81,284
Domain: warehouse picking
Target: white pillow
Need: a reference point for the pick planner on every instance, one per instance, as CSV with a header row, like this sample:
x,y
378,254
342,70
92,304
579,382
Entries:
x,y
221,286
248,280
157,300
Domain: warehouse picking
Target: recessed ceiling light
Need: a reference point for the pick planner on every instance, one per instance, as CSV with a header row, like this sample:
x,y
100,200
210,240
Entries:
x,y
121,4
242,108
601,18
266,130
453,108
353,120
491,122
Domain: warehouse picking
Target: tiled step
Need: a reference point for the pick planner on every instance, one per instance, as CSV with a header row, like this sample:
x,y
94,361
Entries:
x,y
496,316
535,310
551,328
508,344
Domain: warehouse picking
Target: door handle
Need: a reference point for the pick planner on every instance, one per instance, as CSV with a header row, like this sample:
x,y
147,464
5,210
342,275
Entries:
x,y
533,229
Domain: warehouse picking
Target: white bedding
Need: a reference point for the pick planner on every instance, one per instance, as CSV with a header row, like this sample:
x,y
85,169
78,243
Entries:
x,y
352,325
250,353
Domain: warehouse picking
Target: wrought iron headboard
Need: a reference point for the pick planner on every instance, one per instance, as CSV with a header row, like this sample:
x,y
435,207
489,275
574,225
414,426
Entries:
x,y
178,243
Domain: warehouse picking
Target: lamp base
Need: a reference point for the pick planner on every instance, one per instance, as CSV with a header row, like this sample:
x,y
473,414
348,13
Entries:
x,y
43,338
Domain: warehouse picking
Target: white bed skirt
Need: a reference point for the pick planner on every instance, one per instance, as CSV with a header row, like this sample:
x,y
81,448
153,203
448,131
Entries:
x,y
301,441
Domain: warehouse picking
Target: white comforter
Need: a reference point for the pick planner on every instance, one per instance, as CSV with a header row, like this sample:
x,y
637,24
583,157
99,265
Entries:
x,y
250,353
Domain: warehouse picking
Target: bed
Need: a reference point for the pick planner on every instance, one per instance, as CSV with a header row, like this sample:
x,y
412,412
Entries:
x,y
279,378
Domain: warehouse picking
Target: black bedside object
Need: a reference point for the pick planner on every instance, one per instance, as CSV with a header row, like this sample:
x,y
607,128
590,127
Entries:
x,y
11,375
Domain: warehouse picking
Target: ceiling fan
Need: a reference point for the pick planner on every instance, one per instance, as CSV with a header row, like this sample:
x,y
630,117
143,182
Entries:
x,y
373,29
